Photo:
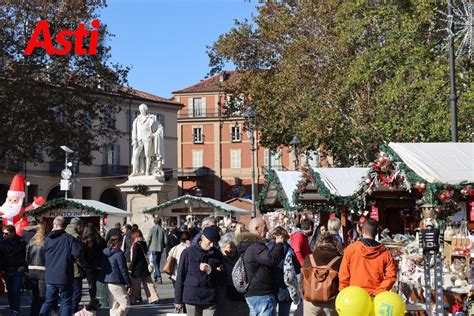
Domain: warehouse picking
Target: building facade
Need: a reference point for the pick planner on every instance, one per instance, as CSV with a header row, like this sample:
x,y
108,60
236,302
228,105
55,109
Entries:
x,y
110,166
214,150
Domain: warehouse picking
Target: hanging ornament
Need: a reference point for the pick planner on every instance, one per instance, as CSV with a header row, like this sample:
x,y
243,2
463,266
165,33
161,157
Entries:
x,y
443,196
374,212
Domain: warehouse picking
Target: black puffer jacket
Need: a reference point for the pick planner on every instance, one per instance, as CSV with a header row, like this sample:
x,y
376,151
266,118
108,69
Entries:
x,y
35,256
259,263
14,251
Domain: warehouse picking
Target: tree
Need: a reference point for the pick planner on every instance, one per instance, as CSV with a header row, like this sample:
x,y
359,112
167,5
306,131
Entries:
x,y
51,100
347,75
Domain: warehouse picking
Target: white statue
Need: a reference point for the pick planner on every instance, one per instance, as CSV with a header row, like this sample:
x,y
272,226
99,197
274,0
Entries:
x,y
147,143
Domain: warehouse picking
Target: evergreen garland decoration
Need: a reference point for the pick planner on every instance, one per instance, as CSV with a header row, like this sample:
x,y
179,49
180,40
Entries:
x,y
432,189
61,203
183,198
271,179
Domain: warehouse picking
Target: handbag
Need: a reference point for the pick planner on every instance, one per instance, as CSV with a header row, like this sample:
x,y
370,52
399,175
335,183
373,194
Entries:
x,y
151,267
169,265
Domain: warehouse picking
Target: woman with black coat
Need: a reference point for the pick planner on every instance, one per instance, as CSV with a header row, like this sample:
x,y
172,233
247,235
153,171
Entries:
x,y
35,261
139,269
115,274
93,247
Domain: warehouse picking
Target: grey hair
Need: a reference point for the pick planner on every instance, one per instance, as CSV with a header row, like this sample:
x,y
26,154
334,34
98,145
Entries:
x,y
334,224
207,220
76,221
60,221
226,239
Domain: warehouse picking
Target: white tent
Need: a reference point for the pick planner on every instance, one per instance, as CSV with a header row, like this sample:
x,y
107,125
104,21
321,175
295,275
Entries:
x,y
204,204
451,163
109,209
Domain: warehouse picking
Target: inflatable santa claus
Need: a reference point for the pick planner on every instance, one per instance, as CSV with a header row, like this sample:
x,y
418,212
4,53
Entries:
x,y
12,211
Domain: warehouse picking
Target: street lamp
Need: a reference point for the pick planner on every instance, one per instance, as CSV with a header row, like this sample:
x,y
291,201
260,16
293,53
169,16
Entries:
x,y
66,173
295,145
251,118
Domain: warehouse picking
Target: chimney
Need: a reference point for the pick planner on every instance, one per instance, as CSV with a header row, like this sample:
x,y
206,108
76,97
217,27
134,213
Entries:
x,y
222,76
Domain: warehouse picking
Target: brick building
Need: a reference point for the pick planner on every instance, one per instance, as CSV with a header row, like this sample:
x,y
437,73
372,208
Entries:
x,y
213,149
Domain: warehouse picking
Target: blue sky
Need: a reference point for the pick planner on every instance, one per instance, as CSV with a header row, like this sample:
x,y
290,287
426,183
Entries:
x,y
165,40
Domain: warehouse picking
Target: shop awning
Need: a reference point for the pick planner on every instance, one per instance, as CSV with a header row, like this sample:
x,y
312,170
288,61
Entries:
x,y
451,163
186,201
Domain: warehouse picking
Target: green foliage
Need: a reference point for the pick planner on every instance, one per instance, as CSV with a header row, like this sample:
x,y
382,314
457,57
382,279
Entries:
x,y
61,204
48,101
347,76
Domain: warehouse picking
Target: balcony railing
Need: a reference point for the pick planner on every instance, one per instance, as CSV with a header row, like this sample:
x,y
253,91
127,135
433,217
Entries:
x,y
197,115
12,165
194,172
114,170
56,166
206,114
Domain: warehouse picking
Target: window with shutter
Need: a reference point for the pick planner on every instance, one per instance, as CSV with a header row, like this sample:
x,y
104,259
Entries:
x,y
203,106
117,155
236,135
197,158
198,107
197,135
272,159
235,161
190,107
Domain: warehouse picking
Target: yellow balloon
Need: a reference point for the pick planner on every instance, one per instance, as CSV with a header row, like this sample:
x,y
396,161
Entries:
x,y
352,301
389,304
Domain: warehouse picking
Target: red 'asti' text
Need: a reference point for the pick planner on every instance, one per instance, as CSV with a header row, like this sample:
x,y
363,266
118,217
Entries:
x,y
65,39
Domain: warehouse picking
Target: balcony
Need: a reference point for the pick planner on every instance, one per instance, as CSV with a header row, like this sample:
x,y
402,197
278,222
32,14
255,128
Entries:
x,y
200,115
12,165
56,166
194,172
114,170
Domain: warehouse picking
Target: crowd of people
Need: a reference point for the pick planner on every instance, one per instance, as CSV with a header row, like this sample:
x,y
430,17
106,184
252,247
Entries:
x,y
305,267
53,262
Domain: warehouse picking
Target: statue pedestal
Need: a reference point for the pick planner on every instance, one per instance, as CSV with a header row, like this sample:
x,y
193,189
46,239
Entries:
x,y
145,192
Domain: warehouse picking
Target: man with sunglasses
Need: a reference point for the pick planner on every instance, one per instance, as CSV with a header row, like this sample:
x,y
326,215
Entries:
x,y
13,250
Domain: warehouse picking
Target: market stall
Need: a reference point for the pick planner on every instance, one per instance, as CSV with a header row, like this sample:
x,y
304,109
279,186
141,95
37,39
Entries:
x,y
195,208
100,214
440,176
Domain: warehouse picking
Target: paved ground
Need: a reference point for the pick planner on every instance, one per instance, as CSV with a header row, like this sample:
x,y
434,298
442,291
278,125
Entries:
x,y
165,292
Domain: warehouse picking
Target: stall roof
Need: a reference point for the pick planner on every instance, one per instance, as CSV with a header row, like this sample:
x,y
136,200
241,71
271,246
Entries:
x,y
289,181
451,163
195,201
89,206
109,209
342,181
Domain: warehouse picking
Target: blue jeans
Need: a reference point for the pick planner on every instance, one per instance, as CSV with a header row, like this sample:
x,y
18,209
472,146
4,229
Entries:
x,y
65,296
156,262
14,282
261,305
76,294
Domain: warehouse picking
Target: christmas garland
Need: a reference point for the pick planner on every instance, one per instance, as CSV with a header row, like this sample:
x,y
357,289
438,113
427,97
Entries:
x,y
183,198
272,180
62,203
433,193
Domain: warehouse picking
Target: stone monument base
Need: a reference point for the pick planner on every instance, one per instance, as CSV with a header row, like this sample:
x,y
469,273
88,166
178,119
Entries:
x,y
144,192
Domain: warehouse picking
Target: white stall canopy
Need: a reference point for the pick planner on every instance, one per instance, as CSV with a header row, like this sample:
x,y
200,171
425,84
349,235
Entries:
x,y
197,205
451,163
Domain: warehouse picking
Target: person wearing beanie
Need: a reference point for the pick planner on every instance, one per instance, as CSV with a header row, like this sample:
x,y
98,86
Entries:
x,y
196,279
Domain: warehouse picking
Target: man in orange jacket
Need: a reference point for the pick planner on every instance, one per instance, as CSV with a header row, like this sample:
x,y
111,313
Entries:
x,y
368,264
